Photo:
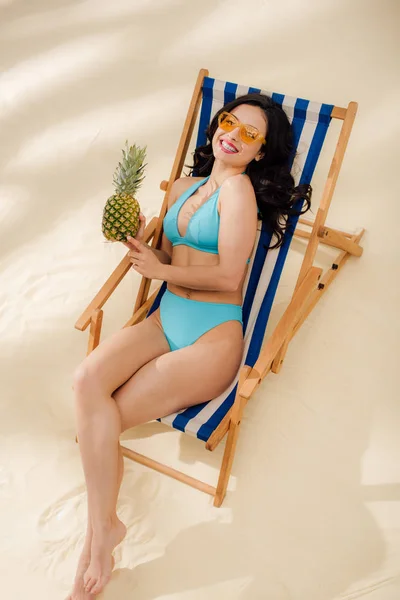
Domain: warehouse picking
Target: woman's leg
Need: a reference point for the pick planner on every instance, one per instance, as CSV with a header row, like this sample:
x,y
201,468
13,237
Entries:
x,y
98,425
78,592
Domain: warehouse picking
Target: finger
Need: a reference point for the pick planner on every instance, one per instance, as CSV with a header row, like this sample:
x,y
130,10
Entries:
x,y
138,245
129,245
133,241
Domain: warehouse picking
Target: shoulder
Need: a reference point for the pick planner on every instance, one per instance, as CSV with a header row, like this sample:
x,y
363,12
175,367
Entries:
x,y
179,186
239,190
240,181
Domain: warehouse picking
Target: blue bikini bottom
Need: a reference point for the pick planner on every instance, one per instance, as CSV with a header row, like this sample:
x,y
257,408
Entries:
x,y
184,320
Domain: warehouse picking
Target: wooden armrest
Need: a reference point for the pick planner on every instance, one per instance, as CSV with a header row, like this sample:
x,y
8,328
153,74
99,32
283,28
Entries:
x,y
116,276
286,324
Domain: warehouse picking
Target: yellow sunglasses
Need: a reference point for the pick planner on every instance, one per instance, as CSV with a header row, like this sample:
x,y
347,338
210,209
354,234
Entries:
x,y
249,134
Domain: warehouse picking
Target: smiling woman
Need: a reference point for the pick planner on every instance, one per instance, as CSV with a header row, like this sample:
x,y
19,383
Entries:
x,y
267,157
190,348
210,227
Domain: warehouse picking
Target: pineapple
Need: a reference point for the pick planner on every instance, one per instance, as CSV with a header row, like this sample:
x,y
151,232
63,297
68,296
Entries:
x,y
121,212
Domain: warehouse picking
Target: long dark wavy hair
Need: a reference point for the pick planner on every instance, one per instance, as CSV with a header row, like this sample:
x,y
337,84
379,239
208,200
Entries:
x,y
271,177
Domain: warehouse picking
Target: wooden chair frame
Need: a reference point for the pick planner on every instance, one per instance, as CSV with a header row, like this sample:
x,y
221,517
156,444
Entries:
x,y
310,287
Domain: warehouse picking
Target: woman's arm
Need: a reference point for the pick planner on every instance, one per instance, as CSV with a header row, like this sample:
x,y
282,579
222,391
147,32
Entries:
x,y
196,277
162,256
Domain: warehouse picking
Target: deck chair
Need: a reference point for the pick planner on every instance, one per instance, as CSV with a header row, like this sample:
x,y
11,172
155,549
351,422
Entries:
x,y
211,420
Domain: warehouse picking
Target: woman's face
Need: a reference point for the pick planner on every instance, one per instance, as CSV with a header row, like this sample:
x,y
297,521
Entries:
x,y
248,115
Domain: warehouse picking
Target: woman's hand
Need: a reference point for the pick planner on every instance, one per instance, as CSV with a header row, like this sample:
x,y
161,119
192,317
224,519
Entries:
x,y
143,260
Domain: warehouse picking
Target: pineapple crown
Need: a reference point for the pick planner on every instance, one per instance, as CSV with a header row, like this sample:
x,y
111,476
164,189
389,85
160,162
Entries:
x,y
129,175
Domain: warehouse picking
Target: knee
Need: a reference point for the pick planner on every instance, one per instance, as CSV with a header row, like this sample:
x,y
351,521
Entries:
x,y
83,378
85,393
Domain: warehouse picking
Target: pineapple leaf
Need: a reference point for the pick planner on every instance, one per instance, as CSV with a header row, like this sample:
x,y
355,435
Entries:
x,y
130,172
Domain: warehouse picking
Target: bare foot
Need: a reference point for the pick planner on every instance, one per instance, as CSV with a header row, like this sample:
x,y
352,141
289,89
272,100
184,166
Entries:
x,y
78,592
104,541
83,563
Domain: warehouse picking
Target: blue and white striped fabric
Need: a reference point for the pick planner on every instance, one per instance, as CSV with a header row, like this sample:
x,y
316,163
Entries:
x,y
310,122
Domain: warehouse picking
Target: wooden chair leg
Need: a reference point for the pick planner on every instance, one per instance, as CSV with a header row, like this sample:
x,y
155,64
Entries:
x,y
227,462
233,433
229,454
331,274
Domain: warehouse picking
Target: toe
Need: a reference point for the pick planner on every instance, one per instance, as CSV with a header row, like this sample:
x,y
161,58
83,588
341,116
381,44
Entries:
x,y
99,586
89,585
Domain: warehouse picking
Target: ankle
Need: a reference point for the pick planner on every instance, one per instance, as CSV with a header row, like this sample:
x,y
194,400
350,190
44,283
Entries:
x,y
103,525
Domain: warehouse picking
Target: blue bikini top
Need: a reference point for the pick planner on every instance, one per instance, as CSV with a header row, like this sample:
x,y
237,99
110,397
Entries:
x,y
203,227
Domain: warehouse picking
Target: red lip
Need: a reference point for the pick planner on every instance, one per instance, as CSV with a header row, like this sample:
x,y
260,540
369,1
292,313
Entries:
x,y
229,144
